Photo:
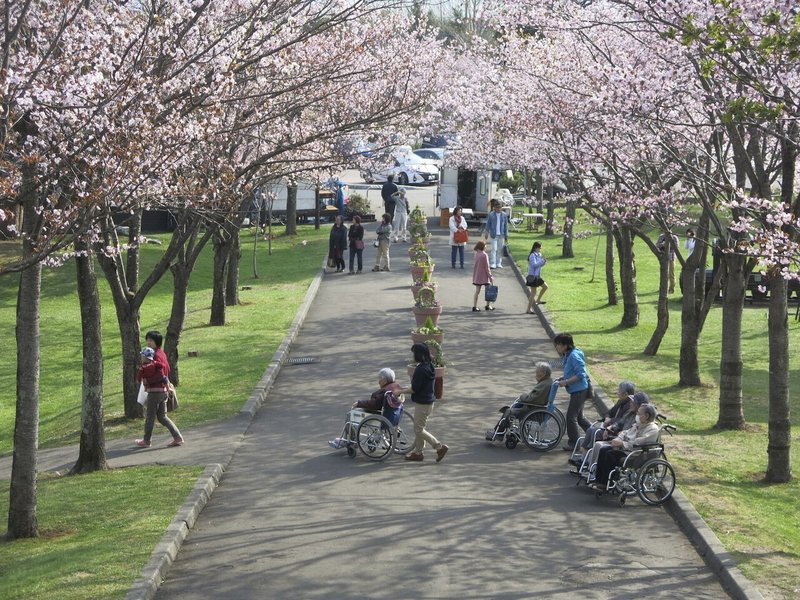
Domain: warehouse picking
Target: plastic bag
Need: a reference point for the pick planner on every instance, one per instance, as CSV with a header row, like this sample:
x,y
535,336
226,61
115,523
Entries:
x,y
142,397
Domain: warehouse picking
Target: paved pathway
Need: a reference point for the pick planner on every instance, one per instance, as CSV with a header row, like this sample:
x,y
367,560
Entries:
x,y
292,518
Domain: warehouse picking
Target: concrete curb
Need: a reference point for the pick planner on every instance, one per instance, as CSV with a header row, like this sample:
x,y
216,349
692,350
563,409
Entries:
x,y
679,508
268,379
146,586
710,548
154,572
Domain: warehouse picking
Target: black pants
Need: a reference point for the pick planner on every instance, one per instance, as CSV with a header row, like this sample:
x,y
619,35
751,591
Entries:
x,y
606,461
575,416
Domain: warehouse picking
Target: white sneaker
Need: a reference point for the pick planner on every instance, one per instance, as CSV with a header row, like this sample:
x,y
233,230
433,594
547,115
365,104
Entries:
x,y
500,267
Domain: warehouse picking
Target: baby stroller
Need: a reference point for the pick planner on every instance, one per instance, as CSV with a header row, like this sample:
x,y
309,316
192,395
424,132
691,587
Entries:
x,y
541,429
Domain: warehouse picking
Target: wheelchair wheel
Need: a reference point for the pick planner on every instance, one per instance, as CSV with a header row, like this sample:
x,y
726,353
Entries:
x,y
562,419
511,440
350,435
541,430
376,437
404,434
656,482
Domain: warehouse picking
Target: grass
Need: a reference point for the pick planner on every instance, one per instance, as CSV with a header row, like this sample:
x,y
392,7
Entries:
x,y
214,385
720,471
97,532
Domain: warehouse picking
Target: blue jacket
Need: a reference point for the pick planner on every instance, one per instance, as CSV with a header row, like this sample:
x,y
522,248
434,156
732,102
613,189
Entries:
x,y
491,224
575,365
535,263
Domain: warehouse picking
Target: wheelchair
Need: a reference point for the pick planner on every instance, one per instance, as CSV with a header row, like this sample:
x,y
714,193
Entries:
x,y
375,435
645,472
541,429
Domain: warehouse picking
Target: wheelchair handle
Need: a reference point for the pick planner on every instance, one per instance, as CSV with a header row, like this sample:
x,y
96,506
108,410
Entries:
x,y
669,428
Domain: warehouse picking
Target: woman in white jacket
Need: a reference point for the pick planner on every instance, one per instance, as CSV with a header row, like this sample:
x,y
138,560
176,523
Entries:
x,y
457,222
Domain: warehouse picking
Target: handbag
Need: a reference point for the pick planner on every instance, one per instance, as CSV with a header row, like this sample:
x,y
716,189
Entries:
x,y
142,397
461,236
172,398
358,244
490,295
331,262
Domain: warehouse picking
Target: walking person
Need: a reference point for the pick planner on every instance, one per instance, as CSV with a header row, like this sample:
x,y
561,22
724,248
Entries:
x,y
690,242
481,275
534,279
422,396
661,244
155,379
457,224
496,230
576,380
384,241
400,218
388,190
337,243
356,238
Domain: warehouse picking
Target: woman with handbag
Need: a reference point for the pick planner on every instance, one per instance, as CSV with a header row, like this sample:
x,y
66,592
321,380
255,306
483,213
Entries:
x,y
356,238
534,279
458,236
481,275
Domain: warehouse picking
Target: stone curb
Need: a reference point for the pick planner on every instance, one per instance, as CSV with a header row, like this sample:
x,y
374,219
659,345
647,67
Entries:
x,y
145,587
268,379
154,572
679,508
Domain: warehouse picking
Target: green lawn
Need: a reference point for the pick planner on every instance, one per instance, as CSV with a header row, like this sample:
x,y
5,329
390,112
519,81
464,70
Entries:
x,y
720,472
98,531
214,385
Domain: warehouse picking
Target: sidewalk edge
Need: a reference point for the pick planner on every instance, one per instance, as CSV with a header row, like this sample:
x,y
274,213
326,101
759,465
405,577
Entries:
x,y
679,507
165,552
153,573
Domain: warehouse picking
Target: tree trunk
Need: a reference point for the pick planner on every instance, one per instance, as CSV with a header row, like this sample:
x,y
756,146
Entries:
x,y
92,450
731,414
221,256
611,283
181,269
549,222
566,239
694,307
177,317
627,277
130,332
22,501
779,465
688,364
232,279
662,323
132,263
291,209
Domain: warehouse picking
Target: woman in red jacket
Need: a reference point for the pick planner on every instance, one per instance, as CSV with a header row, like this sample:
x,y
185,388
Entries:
x,y
151,374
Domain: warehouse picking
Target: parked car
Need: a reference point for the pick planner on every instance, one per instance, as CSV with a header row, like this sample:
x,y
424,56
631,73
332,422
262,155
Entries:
x,y
406,167
435,155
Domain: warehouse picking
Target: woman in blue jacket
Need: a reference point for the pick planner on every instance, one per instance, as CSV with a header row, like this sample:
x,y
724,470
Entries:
x,y
576,380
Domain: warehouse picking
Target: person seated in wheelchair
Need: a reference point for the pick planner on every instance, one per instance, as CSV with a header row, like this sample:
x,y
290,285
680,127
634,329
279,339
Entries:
x,y
602,438
619,418
538,397
643,432
387,401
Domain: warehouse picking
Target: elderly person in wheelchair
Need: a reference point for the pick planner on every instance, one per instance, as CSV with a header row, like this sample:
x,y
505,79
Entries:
x,y
644,431
537,398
